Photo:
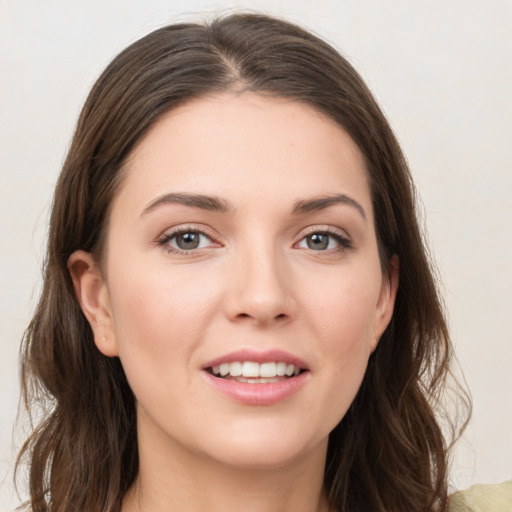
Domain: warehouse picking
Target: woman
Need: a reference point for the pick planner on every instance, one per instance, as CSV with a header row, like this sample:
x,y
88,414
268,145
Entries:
x,y
238,310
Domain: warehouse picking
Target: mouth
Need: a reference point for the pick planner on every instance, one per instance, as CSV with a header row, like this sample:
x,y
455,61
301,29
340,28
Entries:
x,y
253,377
252,372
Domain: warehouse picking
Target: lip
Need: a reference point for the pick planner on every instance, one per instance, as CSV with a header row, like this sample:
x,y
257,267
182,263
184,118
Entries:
x,y
257,394
255,356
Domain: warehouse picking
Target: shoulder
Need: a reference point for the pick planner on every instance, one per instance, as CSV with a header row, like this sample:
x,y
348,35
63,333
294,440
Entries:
x,y
483,498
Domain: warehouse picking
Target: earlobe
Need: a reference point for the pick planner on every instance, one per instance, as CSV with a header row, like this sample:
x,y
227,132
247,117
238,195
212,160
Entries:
x,y
92,294
386,303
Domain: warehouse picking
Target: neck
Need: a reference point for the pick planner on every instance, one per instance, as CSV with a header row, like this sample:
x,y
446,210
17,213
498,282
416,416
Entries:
x,y
176,479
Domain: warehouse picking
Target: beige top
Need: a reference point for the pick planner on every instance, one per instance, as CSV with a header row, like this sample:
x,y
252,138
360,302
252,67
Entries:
x,y
483,498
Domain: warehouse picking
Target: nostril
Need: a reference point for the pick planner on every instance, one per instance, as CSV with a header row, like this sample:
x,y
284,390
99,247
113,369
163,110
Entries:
x,y
281,316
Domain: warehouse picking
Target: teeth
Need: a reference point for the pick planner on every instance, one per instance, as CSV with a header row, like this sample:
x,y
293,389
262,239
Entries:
x,y
267,370
259,380
264,372
250,369
280,369
235,369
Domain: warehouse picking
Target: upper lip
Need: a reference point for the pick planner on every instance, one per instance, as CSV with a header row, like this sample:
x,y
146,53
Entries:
x,y
267,356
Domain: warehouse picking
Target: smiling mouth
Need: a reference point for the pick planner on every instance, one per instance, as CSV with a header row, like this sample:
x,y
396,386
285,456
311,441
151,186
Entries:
x,y
255,373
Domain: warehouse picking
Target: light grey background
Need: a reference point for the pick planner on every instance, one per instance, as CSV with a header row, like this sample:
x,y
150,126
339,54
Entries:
x,y
442,71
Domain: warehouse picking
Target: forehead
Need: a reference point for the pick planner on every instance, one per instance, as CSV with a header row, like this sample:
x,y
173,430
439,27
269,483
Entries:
x,y
245,147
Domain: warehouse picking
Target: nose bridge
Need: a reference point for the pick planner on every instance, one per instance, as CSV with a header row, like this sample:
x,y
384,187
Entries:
x,y
262,285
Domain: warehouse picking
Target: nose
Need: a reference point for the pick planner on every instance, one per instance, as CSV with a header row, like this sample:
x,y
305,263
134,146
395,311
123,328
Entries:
x,y
261,288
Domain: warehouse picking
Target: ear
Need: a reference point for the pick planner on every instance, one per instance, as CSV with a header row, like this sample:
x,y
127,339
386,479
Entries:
x,y
92,294
386,302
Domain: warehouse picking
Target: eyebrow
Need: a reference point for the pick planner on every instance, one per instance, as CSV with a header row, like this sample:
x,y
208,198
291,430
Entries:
x,y
320,203
210,203
216,204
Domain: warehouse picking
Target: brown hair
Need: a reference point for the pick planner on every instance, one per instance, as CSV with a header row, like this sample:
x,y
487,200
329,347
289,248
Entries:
x,y
388,453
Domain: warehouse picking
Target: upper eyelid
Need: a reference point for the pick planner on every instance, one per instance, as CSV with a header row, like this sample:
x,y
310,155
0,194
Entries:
x,y
323,229
185,228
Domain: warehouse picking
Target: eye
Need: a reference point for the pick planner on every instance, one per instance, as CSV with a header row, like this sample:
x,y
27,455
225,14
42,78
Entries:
x,y
186,240
324,241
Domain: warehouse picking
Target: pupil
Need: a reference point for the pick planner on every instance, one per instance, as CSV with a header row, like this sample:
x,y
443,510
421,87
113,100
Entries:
x,y
188,240
318,242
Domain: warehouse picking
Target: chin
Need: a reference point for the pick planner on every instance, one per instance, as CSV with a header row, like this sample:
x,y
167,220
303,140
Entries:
x,y
266,448
259,458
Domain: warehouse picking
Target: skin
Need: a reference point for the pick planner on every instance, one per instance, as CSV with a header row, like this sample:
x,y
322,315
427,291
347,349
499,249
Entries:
x,y
254,282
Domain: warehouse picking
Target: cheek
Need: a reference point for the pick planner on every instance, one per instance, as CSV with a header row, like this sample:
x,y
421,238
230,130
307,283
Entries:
x,y
343,310
342,320
160,319
159,316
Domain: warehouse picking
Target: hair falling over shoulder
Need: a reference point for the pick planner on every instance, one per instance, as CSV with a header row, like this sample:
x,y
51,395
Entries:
x,y
390,451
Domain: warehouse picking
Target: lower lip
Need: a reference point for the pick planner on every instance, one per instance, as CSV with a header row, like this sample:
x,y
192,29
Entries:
x,y
258,394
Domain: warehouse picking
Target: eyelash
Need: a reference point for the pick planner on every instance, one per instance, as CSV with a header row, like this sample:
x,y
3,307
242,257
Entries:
x,y
344,243
165,240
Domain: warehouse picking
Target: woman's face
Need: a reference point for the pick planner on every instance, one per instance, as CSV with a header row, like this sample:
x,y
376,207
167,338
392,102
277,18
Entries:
x,y
242,240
